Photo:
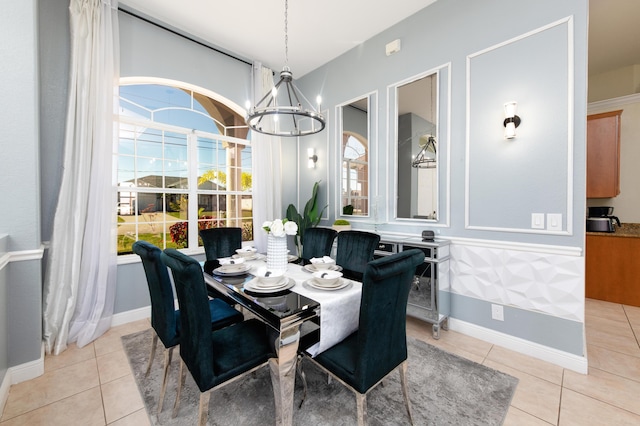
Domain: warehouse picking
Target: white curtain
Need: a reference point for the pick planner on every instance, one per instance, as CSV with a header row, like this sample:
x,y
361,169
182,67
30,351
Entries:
x,y
267,186
79,289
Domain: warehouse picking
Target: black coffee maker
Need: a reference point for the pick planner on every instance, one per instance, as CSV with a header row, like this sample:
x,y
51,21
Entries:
x,y
601,219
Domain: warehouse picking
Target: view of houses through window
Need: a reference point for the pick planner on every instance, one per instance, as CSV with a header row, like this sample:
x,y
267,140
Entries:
x,y
183,164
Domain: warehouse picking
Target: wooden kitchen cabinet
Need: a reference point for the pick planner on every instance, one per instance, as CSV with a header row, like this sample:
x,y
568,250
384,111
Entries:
x,y
603,155
612,269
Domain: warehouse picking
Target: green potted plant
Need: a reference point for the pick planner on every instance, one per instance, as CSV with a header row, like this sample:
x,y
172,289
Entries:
x,y
309,218
348,209
341,225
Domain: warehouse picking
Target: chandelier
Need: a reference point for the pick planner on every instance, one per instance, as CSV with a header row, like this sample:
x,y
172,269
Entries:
x,y
426,157
284,110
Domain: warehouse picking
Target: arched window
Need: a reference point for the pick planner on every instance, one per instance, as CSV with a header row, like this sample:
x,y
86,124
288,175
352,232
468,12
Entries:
x,y
355,172
183,164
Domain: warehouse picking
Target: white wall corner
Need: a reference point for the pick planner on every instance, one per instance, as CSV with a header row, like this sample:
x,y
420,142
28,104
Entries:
x,y
4,391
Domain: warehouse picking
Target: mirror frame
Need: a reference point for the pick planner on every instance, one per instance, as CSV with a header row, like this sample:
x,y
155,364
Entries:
x,y
443,114
371,99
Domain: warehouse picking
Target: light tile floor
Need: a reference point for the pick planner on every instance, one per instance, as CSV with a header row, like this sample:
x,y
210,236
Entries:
x,y
94,385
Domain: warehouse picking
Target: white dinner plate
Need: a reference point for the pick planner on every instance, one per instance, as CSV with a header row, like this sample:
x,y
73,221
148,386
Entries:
x,y
342,283
313,268
231,270
257,282
252,287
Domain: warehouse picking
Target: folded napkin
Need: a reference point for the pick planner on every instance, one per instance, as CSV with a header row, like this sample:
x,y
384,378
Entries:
x,y
247,249
230,261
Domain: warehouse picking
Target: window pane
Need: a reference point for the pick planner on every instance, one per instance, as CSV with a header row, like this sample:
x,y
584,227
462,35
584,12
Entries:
x,y
154,166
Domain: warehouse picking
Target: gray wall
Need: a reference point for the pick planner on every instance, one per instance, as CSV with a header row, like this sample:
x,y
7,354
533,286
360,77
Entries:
x,y
4,350
535,71
20,186
536,57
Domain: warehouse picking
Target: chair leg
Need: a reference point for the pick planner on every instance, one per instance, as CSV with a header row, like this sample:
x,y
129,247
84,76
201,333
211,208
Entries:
x,y
304,380
203,411
405,389
361,404
165,375
181,378
154,343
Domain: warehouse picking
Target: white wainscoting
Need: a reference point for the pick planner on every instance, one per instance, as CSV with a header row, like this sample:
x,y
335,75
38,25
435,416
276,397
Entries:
x,y
532,277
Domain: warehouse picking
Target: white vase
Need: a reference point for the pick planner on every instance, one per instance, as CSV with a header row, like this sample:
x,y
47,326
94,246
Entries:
x,y
277,253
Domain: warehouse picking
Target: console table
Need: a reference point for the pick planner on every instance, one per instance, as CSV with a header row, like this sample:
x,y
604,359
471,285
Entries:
x,y
430,297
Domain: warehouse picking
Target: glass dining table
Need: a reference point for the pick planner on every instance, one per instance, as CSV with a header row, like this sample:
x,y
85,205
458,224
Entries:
x,y
320,318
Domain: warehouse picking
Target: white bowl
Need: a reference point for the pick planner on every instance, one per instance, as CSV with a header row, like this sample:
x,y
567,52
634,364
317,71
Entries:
x,y
246,251
230,261
267,276
322,262
327,278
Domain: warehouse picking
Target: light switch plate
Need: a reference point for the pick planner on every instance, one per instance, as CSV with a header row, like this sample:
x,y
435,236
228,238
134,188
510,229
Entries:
x,y
537,220
554,221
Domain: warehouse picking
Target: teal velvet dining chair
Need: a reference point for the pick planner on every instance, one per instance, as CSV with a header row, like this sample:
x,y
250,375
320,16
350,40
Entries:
x,y
214,359
165,319
355,249
220,242
318,242
379,346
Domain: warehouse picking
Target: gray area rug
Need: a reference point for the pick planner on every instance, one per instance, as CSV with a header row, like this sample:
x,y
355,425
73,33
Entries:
x,y
445,389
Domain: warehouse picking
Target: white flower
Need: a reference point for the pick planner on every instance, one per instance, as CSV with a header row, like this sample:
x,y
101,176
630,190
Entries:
x,y
280,227
291,228
277,228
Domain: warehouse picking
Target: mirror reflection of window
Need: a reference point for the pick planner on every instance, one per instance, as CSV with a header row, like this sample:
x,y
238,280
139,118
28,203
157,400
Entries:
x,y
355,159
417,149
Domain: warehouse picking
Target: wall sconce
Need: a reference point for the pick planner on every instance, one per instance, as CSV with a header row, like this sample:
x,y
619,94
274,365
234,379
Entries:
x,y
311,162
511,120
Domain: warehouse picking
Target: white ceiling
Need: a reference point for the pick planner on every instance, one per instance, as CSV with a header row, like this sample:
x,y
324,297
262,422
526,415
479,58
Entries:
x,y
321,31
254,29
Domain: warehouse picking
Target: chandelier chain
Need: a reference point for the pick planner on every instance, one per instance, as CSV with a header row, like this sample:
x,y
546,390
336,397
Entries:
x,y
286,35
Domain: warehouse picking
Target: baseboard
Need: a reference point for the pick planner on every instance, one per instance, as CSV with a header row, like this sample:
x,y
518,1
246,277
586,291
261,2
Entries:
x,y
131,316
563,359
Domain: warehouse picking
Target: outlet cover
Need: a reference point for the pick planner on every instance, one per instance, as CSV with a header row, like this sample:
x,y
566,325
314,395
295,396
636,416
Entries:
x,y
554,221
497,312
537,220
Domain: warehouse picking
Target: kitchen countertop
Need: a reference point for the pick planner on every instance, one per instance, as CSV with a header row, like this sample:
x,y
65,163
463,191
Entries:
x,y
626,230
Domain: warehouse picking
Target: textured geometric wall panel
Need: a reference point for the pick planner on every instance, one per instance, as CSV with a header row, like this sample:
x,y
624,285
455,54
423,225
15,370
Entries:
x,y
542,282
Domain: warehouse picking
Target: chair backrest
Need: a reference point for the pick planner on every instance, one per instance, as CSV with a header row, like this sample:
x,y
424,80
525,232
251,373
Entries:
x,y
355,250
196,347
318,242
163,316
382,333
221,242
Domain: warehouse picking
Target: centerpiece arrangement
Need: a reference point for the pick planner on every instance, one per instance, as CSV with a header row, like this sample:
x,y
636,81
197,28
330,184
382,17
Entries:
x,y
277,252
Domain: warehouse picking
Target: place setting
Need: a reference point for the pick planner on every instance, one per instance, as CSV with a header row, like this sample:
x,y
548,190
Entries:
x,y
319,264
246,253
269,281
231,267
327,280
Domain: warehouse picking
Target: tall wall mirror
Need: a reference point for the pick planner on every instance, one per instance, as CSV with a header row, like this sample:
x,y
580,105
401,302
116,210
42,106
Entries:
x,y
355,191
418,149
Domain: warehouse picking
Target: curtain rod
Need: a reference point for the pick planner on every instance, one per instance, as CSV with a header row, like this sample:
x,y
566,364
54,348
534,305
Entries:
x,y
149,21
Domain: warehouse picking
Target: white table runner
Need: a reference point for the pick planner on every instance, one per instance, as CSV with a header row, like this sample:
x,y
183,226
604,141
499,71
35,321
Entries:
x,y
339,309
